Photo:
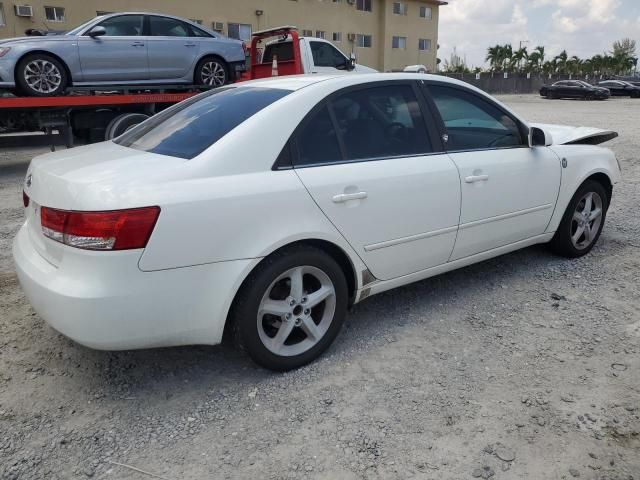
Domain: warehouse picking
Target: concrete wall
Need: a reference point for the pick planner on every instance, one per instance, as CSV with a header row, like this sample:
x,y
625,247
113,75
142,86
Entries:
x,y
515,83
325,15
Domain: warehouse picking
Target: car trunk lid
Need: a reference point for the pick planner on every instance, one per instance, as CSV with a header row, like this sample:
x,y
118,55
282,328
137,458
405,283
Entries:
x,y
86,179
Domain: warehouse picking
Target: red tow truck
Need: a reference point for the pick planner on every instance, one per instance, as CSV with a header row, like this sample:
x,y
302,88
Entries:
x,y
94,114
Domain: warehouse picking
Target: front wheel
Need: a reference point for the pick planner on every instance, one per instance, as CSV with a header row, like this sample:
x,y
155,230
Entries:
x,y
582,222
291,308
212,72
41,75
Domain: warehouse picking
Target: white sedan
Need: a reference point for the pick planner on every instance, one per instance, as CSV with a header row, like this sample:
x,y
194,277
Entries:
x,y
268,207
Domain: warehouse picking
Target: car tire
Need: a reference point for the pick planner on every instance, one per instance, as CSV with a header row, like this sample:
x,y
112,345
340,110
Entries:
x,y
41,75
281,316
212,72
573,239
120,124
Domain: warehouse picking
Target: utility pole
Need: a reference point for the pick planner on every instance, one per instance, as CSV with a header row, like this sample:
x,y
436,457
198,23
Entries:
x,y
520,48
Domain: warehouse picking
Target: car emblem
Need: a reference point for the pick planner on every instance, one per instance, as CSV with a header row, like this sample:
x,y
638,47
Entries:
x,y
28,182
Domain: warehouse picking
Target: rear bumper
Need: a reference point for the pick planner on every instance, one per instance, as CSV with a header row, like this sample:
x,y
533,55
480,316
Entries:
x,y
104,301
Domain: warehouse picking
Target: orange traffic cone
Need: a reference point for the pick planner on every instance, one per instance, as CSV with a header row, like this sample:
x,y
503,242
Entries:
x,y
274,66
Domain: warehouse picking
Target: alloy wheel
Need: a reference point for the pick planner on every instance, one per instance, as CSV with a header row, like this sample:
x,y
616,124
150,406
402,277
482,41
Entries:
x,y
213,74
296,311
586,221
42,76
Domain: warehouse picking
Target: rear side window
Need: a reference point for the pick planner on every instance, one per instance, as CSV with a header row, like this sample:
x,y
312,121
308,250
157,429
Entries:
x,y
371,123
318,141
381,122
168,27
192,126
472,122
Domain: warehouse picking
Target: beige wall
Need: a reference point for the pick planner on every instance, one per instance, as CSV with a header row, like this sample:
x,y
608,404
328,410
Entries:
x,y
313,15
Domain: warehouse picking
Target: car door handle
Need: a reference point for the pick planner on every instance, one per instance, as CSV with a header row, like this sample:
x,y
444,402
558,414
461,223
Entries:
x,y
189,44
137,44
476,178
345,197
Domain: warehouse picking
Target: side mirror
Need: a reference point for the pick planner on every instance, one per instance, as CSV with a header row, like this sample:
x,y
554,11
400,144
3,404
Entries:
x,y
539,137
97,31
347,65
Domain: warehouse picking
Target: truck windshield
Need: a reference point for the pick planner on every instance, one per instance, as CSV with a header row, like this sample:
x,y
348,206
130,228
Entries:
x,y
190,127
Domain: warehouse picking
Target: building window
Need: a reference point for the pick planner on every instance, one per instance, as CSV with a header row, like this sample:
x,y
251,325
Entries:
x,y
307,33
426,12
424,44
337,37
240,31
2,20
363,40
337,1
400,8
363,5
399,42
54,14
321,34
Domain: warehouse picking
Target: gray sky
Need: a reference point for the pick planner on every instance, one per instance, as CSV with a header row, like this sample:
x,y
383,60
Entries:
x,y
582,27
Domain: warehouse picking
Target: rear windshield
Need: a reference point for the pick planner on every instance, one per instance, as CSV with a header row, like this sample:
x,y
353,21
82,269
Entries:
x,y
187,129
283,50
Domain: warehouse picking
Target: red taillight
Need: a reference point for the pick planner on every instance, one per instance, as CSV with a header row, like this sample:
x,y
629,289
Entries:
x,y
113,230
25,199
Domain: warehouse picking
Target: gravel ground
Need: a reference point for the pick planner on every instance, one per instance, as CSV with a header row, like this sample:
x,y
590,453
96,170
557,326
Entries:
x,y
525,366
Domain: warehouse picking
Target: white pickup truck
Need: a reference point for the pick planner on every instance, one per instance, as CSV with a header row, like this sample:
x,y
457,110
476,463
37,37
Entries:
x,y
297,55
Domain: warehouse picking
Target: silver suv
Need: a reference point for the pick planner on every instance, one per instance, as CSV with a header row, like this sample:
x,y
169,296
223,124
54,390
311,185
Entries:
x,y
124,49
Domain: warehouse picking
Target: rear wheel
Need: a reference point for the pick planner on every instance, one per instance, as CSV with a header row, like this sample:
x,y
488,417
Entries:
x,y
41,75
291,308
582,222
120,124
212,71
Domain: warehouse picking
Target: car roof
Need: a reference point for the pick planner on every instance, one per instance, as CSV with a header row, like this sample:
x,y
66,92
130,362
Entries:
x,y
296,82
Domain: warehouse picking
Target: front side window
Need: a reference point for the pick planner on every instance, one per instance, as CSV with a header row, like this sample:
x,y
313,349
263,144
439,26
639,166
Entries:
x,y
190,127
473,123
123,26
326,55
167,27
240,31
54,14
371,123
363,5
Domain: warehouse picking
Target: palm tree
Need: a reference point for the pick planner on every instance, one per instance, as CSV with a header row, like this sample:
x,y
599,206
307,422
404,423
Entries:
x,y
561,62
518,57
493,57
506,54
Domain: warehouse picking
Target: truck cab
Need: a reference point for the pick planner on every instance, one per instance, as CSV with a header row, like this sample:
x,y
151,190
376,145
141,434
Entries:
x,y
296,55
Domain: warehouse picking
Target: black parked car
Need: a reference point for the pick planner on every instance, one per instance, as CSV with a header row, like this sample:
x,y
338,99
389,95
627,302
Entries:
x,y
574,89
621,88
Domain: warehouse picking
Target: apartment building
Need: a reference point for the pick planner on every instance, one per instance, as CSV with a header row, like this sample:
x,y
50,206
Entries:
x,y
385,35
